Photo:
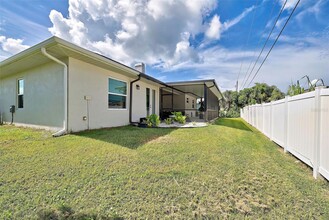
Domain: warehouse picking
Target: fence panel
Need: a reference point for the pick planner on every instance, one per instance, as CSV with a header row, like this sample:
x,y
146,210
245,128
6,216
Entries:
x,y
259,117
254,116
251,112
299,124
301,127
324,134
278,113
246,114
267,119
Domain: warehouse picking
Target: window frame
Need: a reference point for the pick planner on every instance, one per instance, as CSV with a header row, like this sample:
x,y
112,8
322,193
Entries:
x,y
18,92
118,94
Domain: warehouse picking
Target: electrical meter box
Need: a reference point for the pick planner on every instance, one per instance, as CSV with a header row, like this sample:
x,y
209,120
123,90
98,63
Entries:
x,y
87,97
12,109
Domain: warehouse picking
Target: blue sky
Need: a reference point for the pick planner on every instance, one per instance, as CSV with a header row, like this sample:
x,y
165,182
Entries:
x,y
181,40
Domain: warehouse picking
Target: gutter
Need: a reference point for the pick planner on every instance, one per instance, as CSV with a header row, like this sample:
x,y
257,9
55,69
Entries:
x,y
131,98
63,131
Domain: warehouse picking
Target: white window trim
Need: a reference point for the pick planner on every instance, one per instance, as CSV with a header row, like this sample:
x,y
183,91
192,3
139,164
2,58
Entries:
x,y
112,93
17,92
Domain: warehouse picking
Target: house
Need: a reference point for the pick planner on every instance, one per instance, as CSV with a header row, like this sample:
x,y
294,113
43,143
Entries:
x,y
59,86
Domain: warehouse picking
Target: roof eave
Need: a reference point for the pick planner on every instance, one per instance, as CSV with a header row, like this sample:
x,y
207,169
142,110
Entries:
x,y
62,43
28,52
96,56
196,82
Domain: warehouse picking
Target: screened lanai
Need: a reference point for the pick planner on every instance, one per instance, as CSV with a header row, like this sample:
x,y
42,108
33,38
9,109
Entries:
x,y
198,100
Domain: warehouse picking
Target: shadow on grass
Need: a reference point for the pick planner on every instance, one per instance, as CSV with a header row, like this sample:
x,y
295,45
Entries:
x,y
127,136
67,213
232,123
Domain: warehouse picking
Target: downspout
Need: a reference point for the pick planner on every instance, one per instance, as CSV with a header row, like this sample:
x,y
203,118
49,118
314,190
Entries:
x,y
131,98
205,101
64,129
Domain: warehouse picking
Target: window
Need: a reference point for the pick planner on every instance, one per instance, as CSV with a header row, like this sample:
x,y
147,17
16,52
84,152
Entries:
x,y
192,103
117,94
20,93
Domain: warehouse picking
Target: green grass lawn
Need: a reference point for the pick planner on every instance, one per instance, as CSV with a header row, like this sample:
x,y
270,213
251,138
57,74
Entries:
x,y
226,170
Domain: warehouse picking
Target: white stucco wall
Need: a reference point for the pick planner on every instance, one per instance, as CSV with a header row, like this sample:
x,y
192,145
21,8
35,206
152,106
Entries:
x,y
188,106
139,100
89,80
43,96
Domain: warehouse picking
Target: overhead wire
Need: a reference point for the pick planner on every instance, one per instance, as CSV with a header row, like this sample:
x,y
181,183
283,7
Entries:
x,y
285,24
247,42
268,37
259,41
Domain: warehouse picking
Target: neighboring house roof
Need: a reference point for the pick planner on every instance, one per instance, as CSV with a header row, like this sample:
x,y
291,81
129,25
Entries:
x,y
197,87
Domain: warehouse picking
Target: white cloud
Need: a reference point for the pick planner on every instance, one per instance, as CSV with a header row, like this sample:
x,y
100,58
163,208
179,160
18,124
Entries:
x,y
313,9
236,20
132,31
281,22
289,5
12,46
287,62
290,63
214,29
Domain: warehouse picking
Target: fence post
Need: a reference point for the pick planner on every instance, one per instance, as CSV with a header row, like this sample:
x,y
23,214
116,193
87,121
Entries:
x,y
271,121
317,135
263,118
252,115
286,112
249,114
255,116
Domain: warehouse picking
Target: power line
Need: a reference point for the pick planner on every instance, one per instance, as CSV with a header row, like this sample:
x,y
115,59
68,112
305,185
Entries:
x,y
260,38
251,25
268,37
285,24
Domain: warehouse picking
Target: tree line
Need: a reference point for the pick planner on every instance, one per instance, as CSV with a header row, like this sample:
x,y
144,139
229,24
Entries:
x,y
260,93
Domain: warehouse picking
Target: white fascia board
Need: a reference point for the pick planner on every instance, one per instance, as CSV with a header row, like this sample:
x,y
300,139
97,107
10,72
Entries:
x,y
65,44
28,52
95,56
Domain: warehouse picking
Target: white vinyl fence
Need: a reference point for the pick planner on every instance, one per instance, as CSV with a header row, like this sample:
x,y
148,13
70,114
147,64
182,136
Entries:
x,y
299,124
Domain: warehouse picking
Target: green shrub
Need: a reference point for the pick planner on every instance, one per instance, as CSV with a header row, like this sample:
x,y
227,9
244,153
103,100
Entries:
x,y
179,117
153,120
222,114
168,121
229,114
232,113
